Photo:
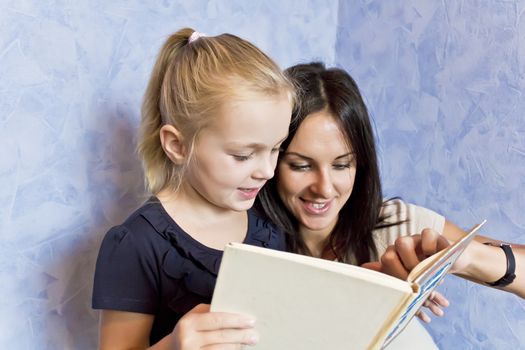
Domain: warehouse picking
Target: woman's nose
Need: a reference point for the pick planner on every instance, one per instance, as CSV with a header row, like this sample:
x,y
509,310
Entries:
x,y
322,184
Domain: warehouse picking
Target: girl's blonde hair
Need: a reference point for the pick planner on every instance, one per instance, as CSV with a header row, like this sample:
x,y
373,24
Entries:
x,y
190,81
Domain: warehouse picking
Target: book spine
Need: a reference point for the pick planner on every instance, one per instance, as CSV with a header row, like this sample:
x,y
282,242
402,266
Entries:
x,y
379,340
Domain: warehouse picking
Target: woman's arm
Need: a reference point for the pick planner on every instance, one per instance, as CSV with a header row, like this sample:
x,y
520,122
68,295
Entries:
x,y
482,263
479,263
197,329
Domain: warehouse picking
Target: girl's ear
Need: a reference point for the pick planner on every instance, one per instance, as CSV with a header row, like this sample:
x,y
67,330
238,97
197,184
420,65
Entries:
x,y
173,144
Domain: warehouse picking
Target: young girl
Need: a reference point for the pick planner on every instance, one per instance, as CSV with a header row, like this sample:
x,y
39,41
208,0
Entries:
x,y
214,115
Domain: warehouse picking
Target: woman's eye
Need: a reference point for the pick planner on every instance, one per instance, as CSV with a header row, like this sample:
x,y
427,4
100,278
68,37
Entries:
x,y
299,167
341,166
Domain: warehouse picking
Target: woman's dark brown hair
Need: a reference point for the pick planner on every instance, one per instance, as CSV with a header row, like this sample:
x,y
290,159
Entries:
x,y
334,90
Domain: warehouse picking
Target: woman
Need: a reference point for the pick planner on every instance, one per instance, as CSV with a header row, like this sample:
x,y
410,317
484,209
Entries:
x,y
327,197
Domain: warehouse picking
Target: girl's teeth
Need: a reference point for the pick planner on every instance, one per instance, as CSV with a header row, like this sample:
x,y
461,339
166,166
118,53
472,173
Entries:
x,y
318,205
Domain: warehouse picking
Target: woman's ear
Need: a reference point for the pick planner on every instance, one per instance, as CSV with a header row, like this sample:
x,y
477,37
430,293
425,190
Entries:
x,y
173,144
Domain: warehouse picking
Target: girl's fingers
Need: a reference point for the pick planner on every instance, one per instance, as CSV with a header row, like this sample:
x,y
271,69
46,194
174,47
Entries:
x,y
201,319
230,336
200,328
212,321
223,347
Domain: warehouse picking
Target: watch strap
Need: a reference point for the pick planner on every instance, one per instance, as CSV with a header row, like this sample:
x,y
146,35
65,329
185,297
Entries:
x,y
510,273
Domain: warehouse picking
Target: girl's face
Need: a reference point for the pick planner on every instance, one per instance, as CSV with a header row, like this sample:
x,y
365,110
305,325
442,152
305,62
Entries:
x,y
237,152
316,173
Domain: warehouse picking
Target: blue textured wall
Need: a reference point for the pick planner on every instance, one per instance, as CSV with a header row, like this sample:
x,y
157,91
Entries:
x,y
72,75
444,81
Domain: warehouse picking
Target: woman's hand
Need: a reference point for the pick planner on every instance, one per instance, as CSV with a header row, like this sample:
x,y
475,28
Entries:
x,y
408,251
401,257
435,303
200,328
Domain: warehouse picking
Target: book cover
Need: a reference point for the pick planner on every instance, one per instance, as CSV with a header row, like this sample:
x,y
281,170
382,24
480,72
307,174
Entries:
x,y
306,303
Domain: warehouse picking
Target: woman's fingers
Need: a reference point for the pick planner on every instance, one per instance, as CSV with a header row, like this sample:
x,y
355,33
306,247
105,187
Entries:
x,y
391,264
374,265
432,242
423,316
406,249
413,249
439,299
433,307
435,302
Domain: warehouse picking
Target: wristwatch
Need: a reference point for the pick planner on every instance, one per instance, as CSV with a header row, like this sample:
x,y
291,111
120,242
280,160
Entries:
x,y
510,274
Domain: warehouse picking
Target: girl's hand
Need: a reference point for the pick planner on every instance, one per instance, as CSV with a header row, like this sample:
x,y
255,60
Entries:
x,y
200,328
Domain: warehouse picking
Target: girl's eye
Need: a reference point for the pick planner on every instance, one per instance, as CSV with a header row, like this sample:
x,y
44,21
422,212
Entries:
x,y
299,167
241,158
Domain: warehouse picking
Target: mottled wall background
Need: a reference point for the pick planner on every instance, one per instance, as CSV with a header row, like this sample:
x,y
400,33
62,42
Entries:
x,y
443,81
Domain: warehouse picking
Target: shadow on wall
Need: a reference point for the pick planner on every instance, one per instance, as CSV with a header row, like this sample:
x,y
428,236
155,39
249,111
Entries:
x,y
114,188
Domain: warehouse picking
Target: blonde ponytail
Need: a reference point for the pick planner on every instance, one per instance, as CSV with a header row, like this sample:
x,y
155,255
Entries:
x,y
158,169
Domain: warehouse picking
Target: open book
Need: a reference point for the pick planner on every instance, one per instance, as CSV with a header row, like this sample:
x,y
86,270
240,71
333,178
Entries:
x,y
307,303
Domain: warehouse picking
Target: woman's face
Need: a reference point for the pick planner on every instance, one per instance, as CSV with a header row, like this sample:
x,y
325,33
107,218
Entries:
x,y
316,173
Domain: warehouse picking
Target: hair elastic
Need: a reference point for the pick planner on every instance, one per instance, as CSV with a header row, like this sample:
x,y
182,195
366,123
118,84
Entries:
x,y
194,36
